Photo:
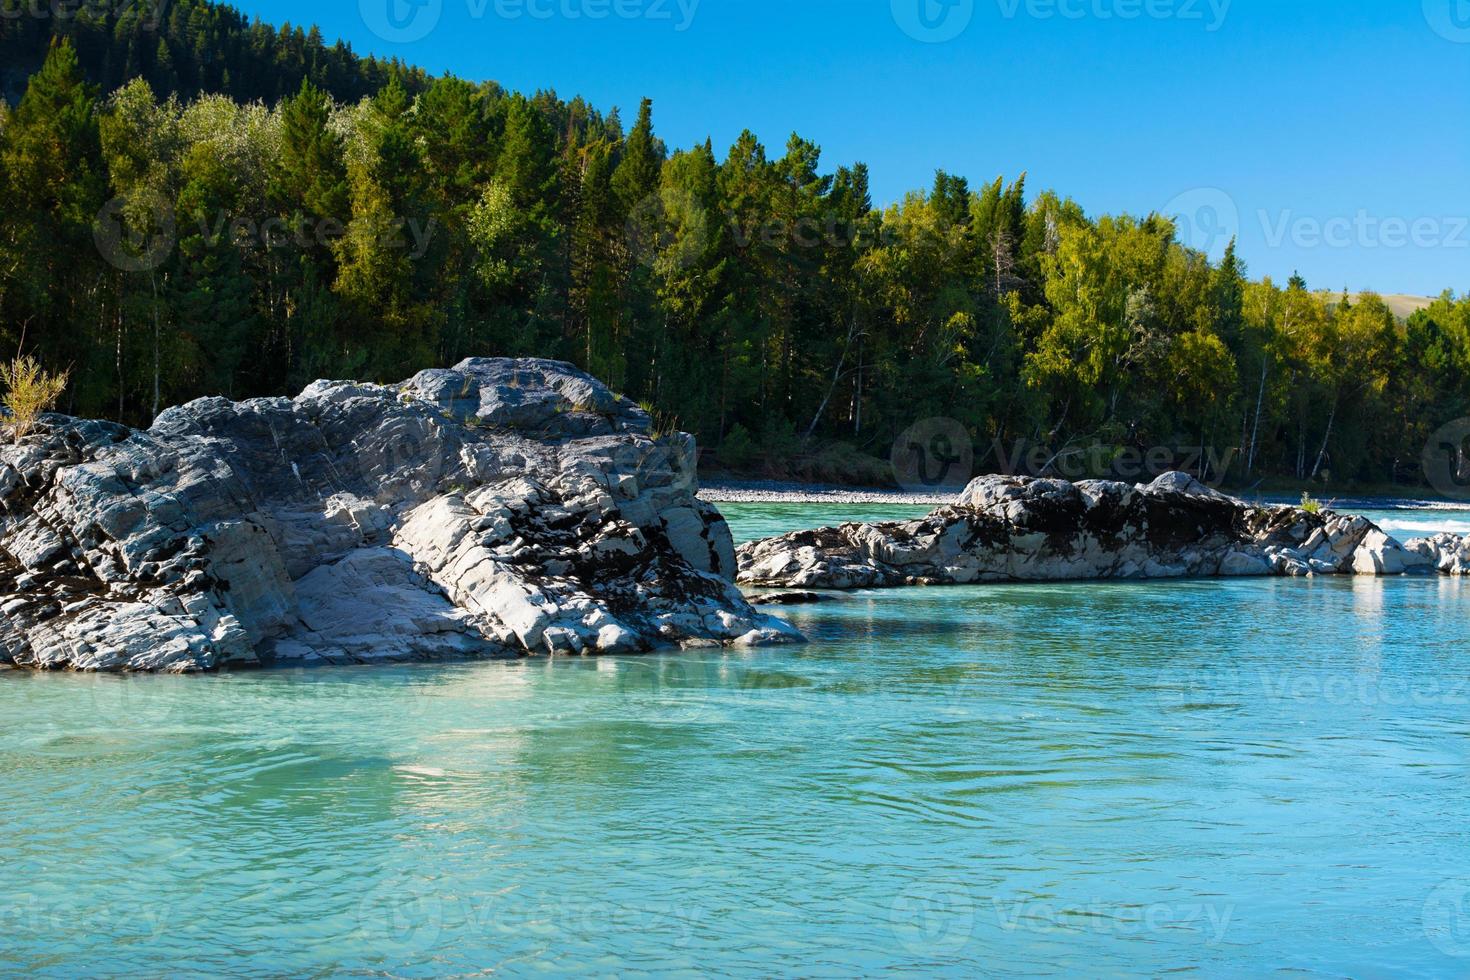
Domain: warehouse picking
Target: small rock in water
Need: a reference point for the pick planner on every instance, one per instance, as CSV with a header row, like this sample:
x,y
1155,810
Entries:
x,y
1018,529
790,599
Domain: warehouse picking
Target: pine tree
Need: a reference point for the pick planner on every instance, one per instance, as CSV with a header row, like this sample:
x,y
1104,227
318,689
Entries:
x,y
526,164
636,177
312,174
54,186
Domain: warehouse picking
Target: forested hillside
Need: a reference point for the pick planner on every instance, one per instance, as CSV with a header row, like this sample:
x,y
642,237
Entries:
x,y
257,209
188,48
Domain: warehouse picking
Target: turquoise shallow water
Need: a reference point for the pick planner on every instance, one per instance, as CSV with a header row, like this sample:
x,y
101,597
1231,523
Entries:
x,y
1225,778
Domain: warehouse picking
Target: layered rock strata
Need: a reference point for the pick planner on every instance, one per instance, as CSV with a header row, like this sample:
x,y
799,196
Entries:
x,y
504,508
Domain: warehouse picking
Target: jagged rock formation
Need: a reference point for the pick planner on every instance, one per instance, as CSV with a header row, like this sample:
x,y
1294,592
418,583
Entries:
x,y
1015,529
504,508
1450,553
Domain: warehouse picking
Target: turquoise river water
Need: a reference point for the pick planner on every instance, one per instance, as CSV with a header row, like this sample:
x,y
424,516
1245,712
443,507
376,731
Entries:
x,y
1216,778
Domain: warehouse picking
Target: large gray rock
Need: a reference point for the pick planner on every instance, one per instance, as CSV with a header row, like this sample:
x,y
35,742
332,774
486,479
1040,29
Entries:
x,y
1016,529
504,508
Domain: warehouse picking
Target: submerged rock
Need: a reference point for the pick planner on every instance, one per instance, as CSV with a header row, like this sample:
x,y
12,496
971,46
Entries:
x,y
504,508
1018,529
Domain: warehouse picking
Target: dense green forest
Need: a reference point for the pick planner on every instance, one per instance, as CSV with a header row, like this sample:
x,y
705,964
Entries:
x,y
189,48
203,205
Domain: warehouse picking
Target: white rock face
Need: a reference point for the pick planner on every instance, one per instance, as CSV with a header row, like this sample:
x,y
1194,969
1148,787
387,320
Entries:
x,y
1450,553
1015,529
504,508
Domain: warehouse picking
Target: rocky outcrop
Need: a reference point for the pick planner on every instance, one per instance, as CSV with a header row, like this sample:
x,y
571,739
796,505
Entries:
x,y
1450,553
1016,529
503,508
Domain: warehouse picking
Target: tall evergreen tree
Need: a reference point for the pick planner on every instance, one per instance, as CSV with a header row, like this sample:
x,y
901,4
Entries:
x,y
637,174
54,182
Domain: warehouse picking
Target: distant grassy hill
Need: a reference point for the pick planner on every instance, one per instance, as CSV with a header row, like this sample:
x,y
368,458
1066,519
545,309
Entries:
x,y
1406,306
1402,304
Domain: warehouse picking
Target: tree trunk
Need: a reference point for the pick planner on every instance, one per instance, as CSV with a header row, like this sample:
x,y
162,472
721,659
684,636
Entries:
x,y
724,385
1256,428
836,380
156,364
121,384
1322,453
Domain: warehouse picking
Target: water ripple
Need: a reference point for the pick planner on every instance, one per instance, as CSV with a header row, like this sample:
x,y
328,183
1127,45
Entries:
x,y
1219,778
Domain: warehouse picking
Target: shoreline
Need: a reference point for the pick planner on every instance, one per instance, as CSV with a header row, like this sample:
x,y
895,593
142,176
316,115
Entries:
x,y
782,492
789,492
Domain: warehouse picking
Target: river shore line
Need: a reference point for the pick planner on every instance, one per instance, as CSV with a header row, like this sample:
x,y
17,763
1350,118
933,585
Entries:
x,y
781,492
787,492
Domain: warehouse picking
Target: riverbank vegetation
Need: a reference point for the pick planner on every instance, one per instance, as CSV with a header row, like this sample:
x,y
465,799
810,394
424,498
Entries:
x,y
212,206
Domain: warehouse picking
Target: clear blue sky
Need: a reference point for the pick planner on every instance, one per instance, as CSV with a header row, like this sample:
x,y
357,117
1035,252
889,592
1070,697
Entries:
x,y
1337,130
